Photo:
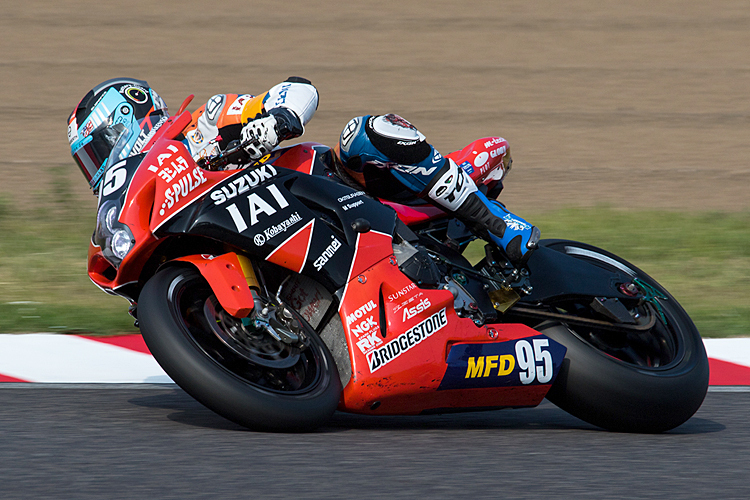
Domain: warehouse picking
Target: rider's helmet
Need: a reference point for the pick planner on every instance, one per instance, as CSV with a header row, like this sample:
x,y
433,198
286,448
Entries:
x,y
372,147
112,122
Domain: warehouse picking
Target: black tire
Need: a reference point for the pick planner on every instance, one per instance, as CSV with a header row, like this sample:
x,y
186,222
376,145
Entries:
x,y
173,321
606,379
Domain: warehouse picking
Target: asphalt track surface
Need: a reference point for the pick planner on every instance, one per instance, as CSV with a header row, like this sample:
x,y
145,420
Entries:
x,y
157,442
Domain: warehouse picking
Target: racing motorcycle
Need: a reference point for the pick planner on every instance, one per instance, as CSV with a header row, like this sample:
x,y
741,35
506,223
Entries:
x,y
280,292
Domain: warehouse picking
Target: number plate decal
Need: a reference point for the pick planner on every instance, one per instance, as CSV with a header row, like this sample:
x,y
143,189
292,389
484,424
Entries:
x,y
532,360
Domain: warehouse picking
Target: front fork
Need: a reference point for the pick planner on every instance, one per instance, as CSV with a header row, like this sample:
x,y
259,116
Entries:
x,y
232,278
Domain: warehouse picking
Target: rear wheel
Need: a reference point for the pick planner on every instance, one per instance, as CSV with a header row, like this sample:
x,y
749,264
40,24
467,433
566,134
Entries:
x,y
625,380
270,372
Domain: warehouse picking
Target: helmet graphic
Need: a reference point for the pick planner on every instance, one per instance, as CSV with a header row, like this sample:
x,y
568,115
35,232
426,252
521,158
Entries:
x,y
115,120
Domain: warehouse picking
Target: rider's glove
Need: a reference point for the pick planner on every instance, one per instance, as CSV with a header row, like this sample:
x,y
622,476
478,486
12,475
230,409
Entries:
x,y
259,136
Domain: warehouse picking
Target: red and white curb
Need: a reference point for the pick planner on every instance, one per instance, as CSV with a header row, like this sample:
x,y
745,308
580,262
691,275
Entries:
x,y
729,361
75,359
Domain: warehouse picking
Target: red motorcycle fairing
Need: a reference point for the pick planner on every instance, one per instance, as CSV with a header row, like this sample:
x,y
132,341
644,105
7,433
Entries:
x,y
151,190
225,276
408,347
262,209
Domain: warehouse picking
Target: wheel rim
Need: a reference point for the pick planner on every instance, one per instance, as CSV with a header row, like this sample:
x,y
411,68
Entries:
x,y
658,348
255,357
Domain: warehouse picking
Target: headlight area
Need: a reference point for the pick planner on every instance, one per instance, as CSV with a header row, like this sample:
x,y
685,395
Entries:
x,y
114,238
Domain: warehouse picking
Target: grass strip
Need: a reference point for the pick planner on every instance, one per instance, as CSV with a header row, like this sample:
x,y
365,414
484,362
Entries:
x,y
703,259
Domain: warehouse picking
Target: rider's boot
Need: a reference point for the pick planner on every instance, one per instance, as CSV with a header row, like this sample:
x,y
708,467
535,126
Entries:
x,y
510,232
454,190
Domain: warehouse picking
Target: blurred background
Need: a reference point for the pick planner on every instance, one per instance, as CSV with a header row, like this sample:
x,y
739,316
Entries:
x,y
629,122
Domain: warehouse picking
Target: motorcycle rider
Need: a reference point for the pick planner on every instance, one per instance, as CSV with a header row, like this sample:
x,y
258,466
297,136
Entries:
x,y
388,155
118,117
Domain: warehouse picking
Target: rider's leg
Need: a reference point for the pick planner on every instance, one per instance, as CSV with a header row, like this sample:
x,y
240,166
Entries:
x,y
391,144
452,189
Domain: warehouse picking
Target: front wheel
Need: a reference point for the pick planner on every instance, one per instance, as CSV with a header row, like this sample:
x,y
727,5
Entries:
x,y
270,373
632,381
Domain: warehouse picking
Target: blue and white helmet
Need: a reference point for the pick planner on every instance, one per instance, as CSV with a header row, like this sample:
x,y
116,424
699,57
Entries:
x,y
375,149
115,120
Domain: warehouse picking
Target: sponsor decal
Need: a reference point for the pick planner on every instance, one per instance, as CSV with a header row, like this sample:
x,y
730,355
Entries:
x,y
167,174
182,188
407,301
381,356
277,229
414,170
406,143
349,133
410,312
367,325
87,129
236,107
195,136
350,196
468,168
369,342
243,183
72,131
145,136
283,91
436,156
213,106
535,360
178,165
401,293
398,121
135,93
258,206
327,254
504,363
360,312
515,224
497,152
481,159
356,204
492,142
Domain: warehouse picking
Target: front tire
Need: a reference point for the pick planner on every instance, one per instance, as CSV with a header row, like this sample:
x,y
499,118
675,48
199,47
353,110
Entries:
x,y
261,383
630,382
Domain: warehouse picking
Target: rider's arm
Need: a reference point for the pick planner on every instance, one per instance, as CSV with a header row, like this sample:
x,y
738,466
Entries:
x,y
278,115
220,121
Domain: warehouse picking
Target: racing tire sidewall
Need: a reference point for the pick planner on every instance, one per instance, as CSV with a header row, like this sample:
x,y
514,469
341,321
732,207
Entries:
x,y
619,396
215,386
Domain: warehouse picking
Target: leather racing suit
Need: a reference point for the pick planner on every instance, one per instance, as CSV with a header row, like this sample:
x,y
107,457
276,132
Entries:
x,y
285,109
387,153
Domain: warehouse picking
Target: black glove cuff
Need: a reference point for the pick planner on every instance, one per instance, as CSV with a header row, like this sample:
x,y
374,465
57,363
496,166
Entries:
x,y
288,125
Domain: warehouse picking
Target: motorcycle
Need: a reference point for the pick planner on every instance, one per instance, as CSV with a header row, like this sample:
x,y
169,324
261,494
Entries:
x,y
278,293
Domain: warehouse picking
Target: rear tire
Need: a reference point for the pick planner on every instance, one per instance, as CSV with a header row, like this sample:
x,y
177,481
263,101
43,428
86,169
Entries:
x,y
628,382
288,390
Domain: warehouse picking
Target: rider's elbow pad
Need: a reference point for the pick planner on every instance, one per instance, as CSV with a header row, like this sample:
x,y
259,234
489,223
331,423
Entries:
x,y
295,94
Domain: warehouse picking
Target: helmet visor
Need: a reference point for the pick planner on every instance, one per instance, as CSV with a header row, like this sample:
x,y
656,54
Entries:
x,y
92,157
